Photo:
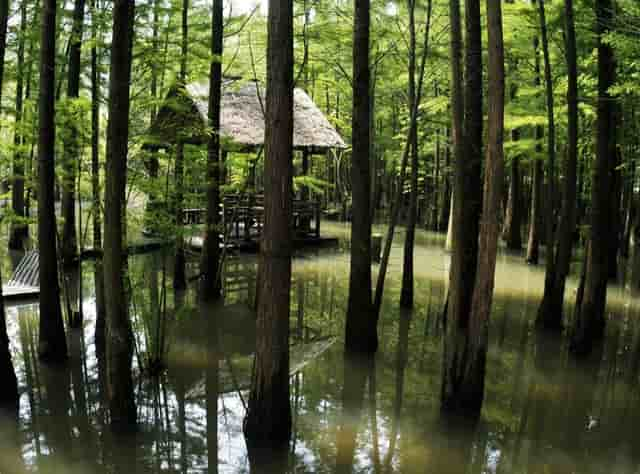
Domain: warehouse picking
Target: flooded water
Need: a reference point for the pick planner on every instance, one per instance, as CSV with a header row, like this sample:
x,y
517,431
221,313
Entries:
x,y
543,413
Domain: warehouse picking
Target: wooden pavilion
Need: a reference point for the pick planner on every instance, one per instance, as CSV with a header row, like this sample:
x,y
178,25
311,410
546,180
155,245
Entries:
x,y
183,118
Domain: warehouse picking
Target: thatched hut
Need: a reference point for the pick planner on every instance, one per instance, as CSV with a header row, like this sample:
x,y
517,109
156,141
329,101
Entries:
x,y
184,117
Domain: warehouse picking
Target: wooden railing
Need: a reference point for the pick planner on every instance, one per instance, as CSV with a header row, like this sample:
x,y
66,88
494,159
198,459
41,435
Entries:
x,y
243,217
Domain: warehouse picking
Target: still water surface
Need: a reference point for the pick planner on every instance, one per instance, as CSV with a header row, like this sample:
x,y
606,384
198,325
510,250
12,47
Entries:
x,y
543,413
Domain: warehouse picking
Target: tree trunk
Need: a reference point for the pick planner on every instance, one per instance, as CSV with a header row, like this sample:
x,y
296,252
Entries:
x,y
119,333
490,225
559,250
268,421
95,180
615,197
513,218
589,322
52,342
211,250
361,334
446,195
180,275
71,144
9,391
406,292
535,224
457,393
19,230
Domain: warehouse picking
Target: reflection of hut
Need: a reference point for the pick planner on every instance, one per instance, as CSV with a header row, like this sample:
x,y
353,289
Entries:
x,y
184,118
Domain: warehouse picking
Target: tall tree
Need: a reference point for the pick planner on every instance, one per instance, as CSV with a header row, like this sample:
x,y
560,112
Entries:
x,y
211,248
268,420
559,251
180,276
406,292
19,229
9,392
589,321
119,333
361,333
457,394
72,147
95,178
490,223
52,342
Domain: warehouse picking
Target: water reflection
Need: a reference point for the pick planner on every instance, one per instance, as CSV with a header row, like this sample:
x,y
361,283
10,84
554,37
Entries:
x,y
542,414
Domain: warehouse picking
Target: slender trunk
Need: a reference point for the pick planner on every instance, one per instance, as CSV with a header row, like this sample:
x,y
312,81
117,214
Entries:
x,y
71,143
406,292
95,179
457,394
615,197
513,218
9,391
560,249
19,229
535,224
268,421
52,342
211,249
361,333
180,276
119,332
446,194
589,322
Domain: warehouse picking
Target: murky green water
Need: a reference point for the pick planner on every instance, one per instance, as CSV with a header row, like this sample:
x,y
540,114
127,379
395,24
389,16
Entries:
x,y
542,412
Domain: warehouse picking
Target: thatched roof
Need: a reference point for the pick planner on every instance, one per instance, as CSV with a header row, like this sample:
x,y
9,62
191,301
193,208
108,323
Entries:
x,y
185,114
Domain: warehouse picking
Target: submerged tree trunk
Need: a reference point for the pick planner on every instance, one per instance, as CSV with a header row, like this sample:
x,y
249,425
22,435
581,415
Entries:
x,y
180,275
361,333
268,421
490,223
559,250
406,292
119,332
19,230
589,322
52,342
71,144
457,393
9,390
211,250
95,180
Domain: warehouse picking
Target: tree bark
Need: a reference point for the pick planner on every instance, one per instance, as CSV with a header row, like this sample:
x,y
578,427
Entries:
x,y
211,250
406,292
71,144
119,332
95,180
268,421
490,224
361,333
457,394
19,230
559,250
9,391
513,218
52,343
589,322
180,275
